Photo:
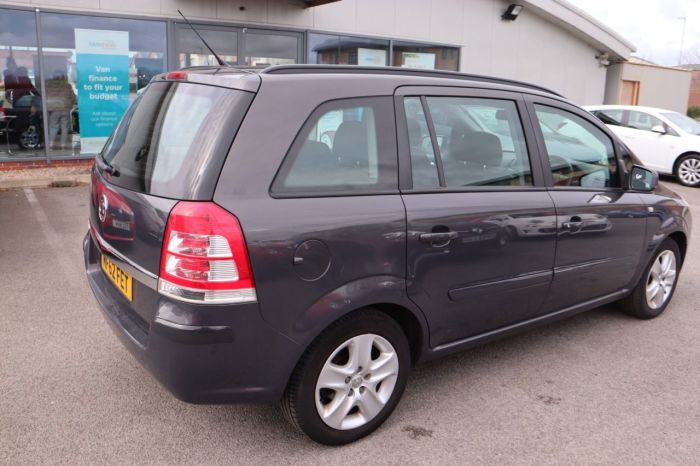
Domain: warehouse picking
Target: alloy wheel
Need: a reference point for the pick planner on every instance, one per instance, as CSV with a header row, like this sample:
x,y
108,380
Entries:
x,y
29,139
689,170
662,277
356,381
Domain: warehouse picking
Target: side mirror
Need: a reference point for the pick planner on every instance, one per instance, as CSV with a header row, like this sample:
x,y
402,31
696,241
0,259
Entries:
x,y
658,129
643,179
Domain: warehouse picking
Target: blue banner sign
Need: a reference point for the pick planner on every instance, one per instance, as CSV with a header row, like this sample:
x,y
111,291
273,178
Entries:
x,y
102,62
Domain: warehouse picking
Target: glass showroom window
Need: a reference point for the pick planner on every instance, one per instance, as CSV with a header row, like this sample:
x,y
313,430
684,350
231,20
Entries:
x,y
21,122
328,49
191,51
265,48
425,57
93,68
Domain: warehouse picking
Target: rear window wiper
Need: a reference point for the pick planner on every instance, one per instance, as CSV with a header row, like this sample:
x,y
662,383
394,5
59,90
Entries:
x,y
109,168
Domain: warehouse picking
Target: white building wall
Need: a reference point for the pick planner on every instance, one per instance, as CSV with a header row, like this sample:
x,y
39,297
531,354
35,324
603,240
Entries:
x,y
660,87
530,48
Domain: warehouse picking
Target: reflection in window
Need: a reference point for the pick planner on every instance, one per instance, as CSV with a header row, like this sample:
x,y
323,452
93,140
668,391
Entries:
x,y
340,50
192,52
114,82
323,49
579,153
425,57
21,121
271,49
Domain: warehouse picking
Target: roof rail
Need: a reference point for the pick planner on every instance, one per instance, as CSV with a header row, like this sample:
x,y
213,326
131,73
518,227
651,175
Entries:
x,y
302,69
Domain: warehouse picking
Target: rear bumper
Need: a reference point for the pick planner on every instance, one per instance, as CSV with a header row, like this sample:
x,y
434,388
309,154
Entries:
x,y
200,353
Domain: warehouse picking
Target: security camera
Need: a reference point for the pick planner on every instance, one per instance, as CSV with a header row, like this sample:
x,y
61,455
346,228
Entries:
x,y
603,59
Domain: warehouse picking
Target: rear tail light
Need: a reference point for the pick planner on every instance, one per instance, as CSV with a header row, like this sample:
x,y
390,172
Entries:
x,y
177,75
205,258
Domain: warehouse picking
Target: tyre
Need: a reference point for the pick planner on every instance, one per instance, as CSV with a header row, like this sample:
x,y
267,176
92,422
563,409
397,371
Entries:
x,y
655,289
688,170
29,138
349,380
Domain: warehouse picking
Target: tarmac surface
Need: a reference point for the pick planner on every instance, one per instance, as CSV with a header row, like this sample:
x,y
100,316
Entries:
x,y
600,387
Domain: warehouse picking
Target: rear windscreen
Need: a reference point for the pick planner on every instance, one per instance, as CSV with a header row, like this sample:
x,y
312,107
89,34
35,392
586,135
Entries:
x,y
173,140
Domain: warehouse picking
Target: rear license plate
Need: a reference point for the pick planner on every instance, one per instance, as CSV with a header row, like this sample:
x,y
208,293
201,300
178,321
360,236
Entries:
x,y
121,279
121,225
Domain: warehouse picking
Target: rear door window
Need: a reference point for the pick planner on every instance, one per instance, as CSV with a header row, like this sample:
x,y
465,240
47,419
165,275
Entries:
x,y
346,147
173,139
481,142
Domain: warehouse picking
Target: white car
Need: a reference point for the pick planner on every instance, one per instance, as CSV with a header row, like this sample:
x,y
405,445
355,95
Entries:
x,y
664,140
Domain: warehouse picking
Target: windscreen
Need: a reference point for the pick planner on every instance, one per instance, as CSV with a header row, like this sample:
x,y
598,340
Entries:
x,y
687,124
173,139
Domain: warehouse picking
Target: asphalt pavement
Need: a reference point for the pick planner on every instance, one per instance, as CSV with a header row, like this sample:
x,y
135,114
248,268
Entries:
x,y
598,388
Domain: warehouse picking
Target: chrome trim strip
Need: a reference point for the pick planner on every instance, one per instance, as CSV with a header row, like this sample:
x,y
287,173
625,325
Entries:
x,y
191,328
627,260
253,299
590,304
526,280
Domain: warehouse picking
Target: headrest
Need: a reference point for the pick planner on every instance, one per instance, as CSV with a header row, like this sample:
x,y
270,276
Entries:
x,y
350,143
477,147
314,154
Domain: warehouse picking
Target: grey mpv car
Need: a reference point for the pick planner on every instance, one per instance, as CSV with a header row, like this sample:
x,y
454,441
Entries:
x,y
309,233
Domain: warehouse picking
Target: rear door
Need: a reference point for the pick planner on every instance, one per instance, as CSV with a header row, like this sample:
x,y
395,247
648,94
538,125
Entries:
x,y
481,226
169,146
600,225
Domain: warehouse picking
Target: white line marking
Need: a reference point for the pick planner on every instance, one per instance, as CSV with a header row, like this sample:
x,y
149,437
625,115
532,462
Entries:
x,y
51,236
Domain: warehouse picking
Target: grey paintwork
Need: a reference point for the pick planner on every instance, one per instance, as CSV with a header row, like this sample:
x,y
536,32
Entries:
x,y
497,276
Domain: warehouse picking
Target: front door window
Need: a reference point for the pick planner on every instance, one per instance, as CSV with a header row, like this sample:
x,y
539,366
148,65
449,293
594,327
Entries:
x,y
579,153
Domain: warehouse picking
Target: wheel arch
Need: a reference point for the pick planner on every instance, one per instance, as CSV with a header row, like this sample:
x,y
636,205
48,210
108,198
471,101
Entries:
x,y
682,241
413,325
680,157
409,323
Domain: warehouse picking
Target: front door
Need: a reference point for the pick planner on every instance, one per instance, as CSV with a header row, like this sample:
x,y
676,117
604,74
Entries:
x,y
481,226
600,225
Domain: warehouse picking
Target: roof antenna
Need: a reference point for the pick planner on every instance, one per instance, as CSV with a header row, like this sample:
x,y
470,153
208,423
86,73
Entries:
x,y
218,58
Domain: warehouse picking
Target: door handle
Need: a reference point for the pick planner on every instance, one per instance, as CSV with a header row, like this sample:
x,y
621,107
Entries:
x,y
442,237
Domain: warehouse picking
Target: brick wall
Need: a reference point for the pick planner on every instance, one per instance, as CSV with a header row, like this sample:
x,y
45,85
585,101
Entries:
x,y
4,166
694,98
